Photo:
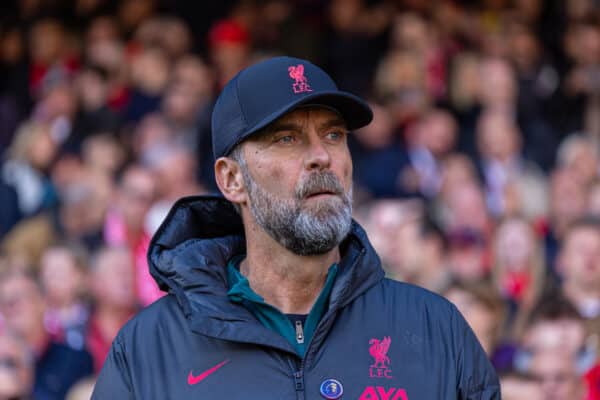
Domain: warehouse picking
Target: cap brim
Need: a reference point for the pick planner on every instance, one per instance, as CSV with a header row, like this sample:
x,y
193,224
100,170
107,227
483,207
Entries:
x,y
355,112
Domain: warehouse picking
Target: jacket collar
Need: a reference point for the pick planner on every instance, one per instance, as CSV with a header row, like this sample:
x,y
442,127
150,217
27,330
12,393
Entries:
x,y
188,256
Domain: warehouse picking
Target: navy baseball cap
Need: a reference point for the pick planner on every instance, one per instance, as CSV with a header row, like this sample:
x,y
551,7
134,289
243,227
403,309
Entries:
x,y
265,91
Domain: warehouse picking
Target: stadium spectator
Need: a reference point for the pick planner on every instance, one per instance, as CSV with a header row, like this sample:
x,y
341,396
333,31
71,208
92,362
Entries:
x,y
125,225
57,366
69,221
513,184
16,367
428,142
112,285
567,204
579,266
378,156
63,272
518,270
483,309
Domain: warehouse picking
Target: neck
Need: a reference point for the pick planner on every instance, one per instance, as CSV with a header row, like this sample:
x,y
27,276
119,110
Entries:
x,y
287,281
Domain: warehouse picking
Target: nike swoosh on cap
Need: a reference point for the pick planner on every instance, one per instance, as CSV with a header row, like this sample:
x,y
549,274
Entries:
x,y
192,380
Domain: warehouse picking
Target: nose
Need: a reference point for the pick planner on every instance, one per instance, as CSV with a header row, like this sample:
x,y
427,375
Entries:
x,y
317,156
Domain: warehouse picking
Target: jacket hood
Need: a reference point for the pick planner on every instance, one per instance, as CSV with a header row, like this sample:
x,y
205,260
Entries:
x,y
189,253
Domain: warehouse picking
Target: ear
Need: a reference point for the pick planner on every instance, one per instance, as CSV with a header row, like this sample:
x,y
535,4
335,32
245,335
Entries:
x,y
230,180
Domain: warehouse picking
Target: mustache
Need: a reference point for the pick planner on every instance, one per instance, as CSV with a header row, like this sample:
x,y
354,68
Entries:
x,y
319,182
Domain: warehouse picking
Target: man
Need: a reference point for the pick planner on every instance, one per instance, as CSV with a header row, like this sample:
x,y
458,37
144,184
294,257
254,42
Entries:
x,y
275,293
579,266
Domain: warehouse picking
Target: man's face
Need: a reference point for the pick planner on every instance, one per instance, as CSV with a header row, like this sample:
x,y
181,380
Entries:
x,y
556,373
580,261
298,175
21,305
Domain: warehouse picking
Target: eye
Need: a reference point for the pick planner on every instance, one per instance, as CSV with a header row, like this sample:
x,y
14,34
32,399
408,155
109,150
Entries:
x,y
336,135
285,139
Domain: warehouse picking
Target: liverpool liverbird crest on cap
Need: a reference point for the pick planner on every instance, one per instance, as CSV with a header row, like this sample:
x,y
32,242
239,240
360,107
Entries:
x,y
265,91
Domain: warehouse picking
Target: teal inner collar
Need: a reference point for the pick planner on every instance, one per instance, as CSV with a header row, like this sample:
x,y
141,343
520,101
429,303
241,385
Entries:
x,y
241,292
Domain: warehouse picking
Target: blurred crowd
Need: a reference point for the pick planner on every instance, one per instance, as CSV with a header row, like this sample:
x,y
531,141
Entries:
x,y
478,179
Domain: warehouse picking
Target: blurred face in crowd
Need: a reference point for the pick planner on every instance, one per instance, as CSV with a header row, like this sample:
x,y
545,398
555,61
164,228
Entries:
x,y
524,48
108,291
61,277
385,220
467,250
593,200
565,334
582,43
175,170
152,131
150,71
411,32
42,148
109,54
380,132
514,244
175,35
16,368
466,208
12,46
92,89
457,170
180,105
556,373
517,264
136,195
407,248
59,100
298,180
83,203
438,132
47,41
517,388
102,29
581,157
497,84
580,257
400,80
464,80
192,72
344,13
567,199
480,317
103,153
22,305
498,137
132,12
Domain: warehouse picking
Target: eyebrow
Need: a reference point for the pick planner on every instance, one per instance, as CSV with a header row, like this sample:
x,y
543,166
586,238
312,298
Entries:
x,y
333,122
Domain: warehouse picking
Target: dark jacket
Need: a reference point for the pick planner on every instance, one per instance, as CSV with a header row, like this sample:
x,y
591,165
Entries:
x,y
379,339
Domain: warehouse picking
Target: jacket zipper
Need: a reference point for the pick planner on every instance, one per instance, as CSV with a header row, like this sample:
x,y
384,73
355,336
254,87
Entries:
x,y
299,384
299,332
299,374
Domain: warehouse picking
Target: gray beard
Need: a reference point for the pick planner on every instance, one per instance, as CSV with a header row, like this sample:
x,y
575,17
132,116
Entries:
x,y
303,230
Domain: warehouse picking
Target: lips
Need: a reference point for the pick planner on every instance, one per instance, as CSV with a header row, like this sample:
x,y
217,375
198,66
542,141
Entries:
x,y
321,192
